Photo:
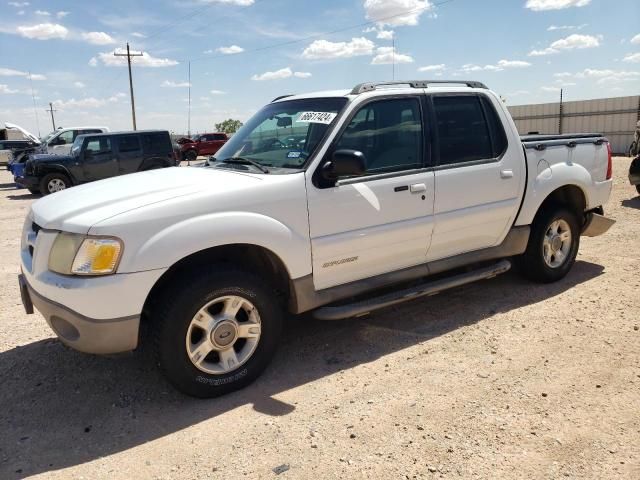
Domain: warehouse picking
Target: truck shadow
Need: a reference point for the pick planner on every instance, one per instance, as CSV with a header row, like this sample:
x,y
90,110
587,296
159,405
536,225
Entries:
x,y
60,408
631,203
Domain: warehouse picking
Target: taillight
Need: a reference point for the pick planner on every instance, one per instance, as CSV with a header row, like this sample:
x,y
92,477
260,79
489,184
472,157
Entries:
x,y
609,162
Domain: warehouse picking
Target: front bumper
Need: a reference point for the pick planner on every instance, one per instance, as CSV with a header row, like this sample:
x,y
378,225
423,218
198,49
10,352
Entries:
x,y
82,333
27,181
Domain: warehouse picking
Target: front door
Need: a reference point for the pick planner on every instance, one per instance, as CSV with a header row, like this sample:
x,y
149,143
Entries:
x,y
479,174
381,221
98,159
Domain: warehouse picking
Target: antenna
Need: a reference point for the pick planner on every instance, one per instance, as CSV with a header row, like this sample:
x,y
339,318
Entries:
x,y
35,111
393,57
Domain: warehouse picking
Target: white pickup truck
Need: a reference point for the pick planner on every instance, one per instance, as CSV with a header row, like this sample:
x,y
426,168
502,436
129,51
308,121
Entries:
x,y
337,202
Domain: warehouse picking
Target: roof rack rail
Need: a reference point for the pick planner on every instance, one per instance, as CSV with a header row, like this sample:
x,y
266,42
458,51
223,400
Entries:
x,y
281,97
370,86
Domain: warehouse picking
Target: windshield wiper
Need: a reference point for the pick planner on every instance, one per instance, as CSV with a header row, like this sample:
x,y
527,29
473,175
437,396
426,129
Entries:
x,y
246,161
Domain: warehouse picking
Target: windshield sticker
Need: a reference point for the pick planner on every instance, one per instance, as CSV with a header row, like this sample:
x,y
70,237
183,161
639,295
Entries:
x,y
317,117
294,154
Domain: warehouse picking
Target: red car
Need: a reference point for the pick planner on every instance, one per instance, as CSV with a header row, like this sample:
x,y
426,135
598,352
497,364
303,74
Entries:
x,y
202,144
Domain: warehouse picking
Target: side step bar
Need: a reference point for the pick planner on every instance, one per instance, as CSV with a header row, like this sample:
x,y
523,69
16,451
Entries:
x,y
430,288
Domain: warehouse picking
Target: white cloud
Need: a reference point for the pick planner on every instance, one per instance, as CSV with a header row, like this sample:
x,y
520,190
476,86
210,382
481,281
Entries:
x,y
44,13
43,31
217,92
602,77
433,68
540,5
388,56
241,3
62,14
170,84
572,42
324,49
636,40
18,4
567,27
79,84
302,74
277,75
98,38
551,89
632,58
138,35
9,72
146,60
380,32
501,65
233,49
6,90
396,12
87,102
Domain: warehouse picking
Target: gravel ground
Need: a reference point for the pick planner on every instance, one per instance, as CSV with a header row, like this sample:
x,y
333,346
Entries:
x,y
500,379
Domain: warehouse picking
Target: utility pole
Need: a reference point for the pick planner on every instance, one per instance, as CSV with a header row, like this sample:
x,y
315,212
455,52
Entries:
x,y
35,111
393,57
189,120
51,110
560,116
133,104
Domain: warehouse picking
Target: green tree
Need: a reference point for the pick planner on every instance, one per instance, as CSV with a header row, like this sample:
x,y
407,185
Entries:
x,y
228,126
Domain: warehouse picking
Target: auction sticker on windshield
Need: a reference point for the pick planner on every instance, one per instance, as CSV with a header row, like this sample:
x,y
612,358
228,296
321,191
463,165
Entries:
x,y
317,117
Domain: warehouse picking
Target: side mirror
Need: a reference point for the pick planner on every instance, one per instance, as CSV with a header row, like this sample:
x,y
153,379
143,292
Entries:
x,y
344,163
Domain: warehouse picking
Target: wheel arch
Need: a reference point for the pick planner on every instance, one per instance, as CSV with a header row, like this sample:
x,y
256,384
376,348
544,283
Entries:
x,y
56,168
569,196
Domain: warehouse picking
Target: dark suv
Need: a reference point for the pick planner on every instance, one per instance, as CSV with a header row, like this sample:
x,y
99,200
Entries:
x,y
98,156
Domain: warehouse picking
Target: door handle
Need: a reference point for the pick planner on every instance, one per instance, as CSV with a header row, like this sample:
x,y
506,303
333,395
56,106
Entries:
x,y
506,173
418,187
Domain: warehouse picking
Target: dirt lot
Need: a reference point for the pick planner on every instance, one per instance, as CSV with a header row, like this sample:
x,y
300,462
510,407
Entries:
x,y
503,378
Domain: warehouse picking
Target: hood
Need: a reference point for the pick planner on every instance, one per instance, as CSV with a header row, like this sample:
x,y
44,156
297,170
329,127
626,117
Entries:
x,y
49,157
78,208
25,134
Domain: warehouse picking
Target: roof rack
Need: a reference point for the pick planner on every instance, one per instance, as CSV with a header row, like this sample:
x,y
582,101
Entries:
x,y
370,86
281,97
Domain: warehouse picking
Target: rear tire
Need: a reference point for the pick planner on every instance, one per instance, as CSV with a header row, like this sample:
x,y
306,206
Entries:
x,y
553,246
638,189
54,182
202,346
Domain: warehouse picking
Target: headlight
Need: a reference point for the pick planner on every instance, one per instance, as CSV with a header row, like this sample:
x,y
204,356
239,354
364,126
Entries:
x,y
73,254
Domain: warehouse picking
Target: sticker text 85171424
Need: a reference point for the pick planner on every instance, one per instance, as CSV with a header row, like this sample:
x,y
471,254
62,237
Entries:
x,y
316,117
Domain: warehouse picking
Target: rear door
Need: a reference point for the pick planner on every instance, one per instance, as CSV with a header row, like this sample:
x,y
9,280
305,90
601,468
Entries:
x,y
98,159
129,153
157,150
478,177
207,145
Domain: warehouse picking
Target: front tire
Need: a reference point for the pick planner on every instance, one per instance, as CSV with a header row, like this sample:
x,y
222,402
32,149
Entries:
x,y
218,332
191,156
553,246
54,182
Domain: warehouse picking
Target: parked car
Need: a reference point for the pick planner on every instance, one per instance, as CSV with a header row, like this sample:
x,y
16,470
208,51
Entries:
x,y
98,156
59,141
15,143
393,185
634,173
204,144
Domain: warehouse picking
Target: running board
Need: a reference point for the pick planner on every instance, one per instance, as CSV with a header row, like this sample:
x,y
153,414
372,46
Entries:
x,y
363,307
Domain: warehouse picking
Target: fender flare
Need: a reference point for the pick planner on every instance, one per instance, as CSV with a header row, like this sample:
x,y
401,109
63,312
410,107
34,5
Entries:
x,y
548,181
55,168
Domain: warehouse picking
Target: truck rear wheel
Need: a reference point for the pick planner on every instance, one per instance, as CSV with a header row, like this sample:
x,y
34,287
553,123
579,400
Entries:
x,y
553,246
54,182
218,332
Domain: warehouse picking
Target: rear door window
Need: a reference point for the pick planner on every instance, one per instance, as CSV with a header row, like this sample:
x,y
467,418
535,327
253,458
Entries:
x,y
462,129
128,143
156,143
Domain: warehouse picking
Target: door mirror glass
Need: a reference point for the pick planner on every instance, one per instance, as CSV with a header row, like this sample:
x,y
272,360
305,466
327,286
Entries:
x,y
345,163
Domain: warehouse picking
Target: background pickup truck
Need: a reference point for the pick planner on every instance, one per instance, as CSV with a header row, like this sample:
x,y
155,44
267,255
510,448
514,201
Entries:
x,y
394,184
203,144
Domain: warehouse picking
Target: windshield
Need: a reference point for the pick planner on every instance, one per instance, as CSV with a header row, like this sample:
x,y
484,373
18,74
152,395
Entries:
x,y
283,134
48,137
194,138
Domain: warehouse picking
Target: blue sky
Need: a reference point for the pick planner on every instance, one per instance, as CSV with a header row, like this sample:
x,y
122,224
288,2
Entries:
x,y
244,53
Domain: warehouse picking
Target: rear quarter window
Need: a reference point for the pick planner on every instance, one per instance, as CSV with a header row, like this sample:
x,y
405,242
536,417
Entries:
x,y
156,143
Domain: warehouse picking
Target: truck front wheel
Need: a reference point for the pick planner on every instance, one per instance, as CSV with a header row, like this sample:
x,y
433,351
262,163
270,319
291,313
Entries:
x,y
553,245
218,332
54,182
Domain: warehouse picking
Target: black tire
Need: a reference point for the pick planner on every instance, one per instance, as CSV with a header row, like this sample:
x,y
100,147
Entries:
x,y
173,316
638,189
46,185
532,263
34,191
191,156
